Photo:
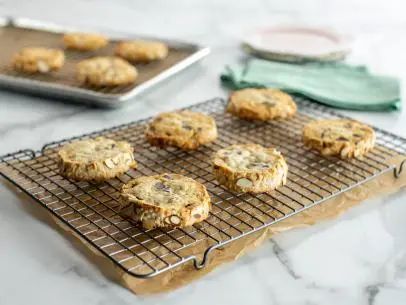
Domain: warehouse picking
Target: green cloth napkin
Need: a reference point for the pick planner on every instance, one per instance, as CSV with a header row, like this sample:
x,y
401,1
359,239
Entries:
x,y
335,84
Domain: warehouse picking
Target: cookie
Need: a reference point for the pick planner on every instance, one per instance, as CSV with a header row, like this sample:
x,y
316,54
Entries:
x,y
38,60
261,104
105,72
141,50
96,159
250,168
167,200
184,129
84,41
339,137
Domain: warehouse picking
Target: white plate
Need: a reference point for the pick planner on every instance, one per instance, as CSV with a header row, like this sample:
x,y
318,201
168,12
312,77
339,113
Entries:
x,y
297,43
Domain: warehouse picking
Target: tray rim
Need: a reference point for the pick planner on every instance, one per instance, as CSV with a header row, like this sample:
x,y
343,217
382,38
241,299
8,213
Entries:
x,y
77,94
395,168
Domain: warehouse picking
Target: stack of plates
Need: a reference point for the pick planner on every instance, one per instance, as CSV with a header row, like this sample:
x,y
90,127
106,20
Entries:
x,y
297,44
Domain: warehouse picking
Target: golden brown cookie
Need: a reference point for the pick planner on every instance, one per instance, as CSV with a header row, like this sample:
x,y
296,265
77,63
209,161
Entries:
x,y
250,168
96,159
261,104
105,72
183,129
339,137
84,41
141,50
38,60
167,200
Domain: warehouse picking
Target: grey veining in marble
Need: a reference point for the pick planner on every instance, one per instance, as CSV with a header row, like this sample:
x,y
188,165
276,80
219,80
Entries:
x,y
360,258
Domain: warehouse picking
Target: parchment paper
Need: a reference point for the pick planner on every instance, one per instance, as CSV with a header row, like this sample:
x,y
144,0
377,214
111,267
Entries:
x,y
382,185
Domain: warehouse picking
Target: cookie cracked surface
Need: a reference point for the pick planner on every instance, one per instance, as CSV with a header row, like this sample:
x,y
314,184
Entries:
x,y
141,50
96,159
184,129
105,71
339,137
166,200
250,168
84,41
38,60
261,104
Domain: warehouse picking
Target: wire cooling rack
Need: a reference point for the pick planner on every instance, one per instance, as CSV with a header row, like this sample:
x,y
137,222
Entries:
x,y
91,210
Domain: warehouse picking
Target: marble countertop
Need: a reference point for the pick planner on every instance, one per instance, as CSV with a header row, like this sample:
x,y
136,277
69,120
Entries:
x,y
359,258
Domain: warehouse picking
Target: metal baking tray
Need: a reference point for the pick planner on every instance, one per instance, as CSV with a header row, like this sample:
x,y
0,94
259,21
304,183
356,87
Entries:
x,y
91,210
16,33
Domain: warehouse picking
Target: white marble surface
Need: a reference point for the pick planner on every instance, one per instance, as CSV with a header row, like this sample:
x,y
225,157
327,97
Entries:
x,y
359,258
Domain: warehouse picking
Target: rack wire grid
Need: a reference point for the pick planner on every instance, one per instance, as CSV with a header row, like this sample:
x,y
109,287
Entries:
x,y
91,210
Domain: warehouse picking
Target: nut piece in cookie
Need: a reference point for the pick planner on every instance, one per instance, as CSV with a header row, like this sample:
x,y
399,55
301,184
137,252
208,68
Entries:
x,y
250,168
38,60
261,104
84,41
141,50
184,129
339,137
96,159
105,72
167,200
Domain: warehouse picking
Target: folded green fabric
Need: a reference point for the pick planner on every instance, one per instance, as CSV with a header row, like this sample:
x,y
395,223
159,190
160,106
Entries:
x,y
335,84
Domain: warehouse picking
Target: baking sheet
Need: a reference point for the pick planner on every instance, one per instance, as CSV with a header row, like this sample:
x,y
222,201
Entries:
x,y
18,33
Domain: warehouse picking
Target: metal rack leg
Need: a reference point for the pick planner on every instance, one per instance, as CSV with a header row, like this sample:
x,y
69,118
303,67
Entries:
x,y
398,170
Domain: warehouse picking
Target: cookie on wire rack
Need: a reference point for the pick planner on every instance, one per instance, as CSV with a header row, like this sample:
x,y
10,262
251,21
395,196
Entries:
x,y
84,41
250,168
261,104
96,159
183,129
165,201
38,60
339,137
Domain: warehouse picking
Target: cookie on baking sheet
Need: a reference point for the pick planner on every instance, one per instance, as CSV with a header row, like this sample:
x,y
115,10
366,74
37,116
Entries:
x,y
141,50
261,104
38,60
84,41
167,200
184,129
105,71
96,159
250,168
339,137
